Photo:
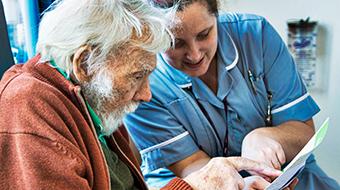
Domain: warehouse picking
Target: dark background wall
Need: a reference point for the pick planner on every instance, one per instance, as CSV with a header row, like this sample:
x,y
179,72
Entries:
x,y
43,4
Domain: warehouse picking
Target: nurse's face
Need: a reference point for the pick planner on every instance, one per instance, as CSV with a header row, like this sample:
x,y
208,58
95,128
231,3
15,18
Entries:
x,y
196,40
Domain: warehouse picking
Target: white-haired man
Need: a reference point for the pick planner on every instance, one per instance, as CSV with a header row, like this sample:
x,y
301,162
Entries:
x,y
60,112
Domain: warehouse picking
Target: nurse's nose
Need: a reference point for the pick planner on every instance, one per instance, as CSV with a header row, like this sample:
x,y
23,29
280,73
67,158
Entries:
x,y
193,53
144,93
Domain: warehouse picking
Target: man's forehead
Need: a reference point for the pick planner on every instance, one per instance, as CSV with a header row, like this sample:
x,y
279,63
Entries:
x,y
146,61
133,58
146,64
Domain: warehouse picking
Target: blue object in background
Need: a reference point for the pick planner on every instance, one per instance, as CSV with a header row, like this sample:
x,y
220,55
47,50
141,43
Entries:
x,y
30,15
22,24
44,4
17,42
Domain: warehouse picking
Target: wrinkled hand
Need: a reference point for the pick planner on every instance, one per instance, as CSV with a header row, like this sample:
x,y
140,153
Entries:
x,y
259,147
222,173
254,183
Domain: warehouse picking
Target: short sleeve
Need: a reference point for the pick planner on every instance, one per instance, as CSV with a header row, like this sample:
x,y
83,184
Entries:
x,y
160,138
290,99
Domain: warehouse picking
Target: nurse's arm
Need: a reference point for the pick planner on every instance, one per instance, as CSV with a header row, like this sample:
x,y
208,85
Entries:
x,y
192,163
293,136
277,144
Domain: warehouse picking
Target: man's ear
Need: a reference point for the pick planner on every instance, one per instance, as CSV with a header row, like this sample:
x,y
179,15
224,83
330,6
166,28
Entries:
x,y
79,63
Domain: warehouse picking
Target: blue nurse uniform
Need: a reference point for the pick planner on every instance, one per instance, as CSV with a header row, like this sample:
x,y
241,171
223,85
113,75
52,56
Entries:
x,y
185,116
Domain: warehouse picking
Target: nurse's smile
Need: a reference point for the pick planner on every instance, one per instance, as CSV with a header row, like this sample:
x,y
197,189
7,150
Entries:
x,y
194,65
196,41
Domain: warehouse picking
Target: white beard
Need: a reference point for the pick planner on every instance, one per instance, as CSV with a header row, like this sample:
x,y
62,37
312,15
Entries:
x,y
114,119
99,92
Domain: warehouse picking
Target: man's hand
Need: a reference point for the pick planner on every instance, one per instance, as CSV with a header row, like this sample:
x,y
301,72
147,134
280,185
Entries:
x,y
254,183
222,173
258,183
260,147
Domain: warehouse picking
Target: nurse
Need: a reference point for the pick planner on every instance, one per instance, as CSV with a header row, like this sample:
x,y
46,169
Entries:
x,y
229,87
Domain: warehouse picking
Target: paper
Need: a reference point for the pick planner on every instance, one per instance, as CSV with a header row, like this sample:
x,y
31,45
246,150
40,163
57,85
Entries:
x,y
298,163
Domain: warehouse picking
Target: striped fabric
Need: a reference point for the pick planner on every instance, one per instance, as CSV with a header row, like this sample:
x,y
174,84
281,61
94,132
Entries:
x,y
177,183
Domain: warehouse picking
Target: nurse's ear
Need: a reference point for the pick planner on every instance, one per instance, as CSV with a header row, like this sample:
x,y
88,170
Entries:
x,y
79,64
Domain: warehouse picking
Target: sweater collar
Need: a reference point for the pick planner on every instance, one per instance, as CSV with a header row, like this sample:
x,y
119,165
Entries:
x,y
94,117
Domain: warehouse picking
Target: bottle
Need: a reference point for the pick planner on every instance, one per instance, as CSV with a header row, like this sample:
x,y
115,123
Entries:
x,y
16,31
302,36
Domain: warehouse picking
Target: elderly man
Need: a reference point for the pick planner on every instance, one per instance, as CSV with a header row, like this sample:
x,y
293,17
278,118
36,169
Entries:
x,y
60,112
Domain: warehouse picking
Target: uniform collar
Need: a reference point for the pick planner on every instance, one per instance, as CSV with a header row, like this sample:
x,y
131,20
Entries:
x,y
227,59
181,79
226,49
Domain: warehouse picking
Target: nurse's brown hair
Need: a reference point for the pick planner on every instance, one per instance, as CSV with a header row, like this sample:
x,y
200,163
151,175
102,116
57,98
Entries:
x,y
212,5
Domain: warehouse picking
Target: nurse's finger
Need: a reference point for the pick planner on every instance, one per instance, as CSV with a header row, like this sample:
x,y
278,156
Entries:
x,y
281,156
293,183
275,163
271,161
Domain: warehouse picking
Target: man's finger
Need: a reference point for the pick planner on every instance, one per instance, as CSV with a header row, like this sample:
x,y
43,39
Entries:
x,y
241,163
256,182
234,181
240,184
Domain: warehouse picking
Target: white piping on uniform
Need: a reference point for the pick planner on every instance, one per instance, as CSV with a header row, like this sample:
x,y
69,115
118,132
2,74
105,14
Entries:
x,y
184,85
279,109
232,65
164,143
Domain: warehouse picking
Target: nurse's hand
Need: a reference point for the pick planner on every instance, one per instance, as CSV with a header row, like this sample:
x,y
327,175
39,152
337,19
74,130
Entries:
x,y
259,147
222,173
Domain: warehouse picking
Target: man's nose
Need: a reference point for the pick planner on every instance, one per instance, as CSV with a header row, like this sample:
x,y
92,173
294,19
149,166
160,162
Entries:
x,y
144,93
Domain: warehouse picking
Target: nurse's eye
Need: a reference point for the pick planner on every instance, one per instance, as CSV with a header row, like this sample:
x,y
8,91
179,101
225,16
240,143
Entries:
x,y
179,43
203,35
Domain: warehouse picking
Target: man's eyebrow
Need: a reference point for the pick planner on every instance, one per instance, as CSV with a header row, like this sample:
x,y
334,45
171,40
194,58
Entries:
x,y
147,68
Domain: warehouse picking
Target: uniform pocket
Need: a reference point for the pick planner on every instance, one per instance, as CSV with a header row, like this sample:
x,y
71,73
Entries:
x,y
261,93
